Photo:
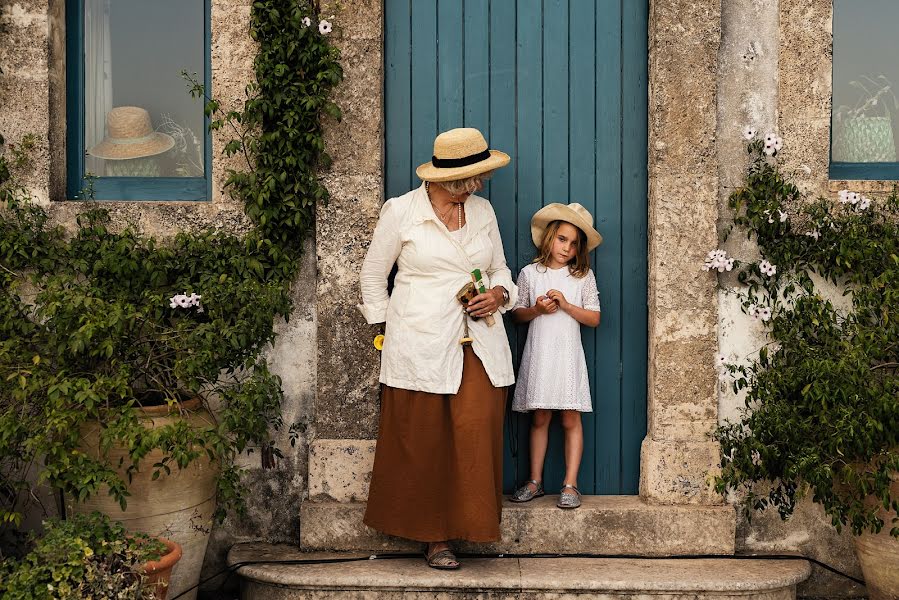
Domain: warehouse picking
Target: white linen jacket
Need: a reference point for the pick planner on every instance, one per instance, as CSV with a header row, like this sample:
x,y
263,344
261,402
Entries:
x,y
424,320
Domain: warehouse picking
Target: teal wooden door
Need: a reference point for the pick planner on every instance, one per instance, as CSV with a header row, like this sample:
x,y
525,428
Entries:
x,y
560,85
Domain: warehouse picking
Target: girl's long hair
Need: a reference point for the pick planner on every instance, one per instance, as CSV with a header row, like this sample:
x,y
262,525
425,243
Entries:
x,y
580,264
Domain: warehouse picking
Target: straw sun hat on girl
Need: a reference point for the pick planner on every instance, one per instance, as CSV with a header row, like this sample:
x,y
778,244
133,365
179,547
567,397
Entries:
x,y
573,213
460,153
129,134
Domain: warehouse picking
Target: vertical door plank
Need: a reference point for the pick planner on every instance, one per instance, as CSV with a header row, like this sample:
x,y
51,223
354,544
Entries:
x,y
502,136
555,167
634,243
398,97
608,255
529,150
450,81
582,179
424,82
476,95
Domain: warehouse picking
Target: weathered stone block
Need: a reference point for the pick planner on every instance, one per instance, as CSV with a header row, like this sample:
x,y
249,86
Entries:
x,y
679,472
340,470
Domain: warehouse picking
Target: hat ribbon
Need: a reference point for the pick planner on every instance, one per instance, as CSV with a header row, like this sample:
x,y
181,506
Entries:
x,y
129,141
450,163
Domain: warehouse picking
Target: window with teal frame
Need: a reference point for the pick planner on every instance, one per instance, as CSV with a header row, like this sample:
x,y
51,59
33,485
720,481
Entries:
x,y
865,115
133,132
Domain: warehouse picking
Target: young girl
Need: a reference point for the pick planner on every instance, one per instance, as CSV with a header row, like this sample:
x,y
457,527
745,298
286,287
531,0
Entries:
x,y
556,295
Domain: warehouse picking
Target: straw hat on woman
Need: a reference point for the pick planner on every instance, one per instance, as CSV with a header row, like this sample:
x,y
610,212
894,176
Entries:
x,y
444,371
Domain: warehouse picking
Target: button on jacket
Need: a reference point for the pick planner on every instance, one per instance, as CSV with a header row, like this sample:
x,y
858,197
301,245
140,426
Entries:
x,y
424,320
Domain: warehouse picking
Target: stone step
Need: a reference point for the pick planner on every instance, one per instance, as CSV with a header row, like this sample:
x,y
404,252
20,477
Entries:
x,y
518,578
622,525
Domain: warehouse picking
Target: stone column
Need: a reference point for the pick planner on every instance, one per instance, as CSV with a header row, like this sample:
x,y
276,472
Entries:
x,y
346,404
678,457
33,44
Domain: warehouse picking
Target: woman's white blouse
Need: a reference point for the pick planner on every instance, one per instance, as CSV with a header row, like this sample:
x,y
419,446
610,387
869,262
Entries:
x,y
424,320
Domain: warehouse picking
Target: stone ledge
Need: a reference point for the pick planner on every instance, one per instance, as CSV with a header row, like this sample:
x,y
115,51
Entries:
x,y
509,577
617,525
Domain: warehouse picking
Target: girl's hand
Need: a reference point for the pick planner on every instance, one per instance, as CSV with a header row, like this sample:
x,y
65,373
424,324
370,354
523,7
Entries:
x,y
486,303
559,299
545,305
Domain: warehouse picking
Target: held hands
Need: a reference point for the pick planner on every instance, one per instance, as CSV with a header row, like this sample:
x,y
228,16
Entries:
x,y
486,303
559,298
551,302
545,305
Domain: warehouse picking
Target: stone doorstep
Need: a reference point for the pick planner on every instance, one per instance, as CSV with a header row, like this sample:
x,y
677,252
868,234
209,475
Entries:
x,y
535,578
616,525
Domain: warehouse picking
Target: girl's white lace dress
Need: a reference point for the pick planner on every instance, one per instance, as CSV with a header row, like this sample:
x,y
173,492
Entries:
x,y
553,372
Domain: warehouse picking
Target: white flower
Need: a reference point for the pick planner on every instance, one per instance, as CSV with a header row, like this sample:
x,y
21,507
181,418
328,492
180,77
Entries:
x,y
764,314
767,268
844,196
782,215
184,301
756,458
813,234
324,27
770,139
730,455
778,143
749,132
718,260
770,149
864,203
307,21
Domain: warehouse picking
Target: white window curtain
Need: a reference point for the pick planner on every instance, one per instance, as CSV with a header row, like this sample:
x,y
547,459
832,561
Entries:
x,y
97,78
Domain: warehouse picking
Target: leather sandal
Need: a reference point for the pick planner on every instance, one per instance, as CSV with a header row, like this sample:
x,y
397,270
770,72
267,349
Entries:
x,y
567,499
525,493
443,560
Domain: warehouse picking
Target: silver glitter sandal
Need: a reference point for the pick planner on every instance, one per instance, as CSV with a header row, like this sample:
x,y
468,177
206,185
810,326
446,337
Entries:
x,y
525,493
567,499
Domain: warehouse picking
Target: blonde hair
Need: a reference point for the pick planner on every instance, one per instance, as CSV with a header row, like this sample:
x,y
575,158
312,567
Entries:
x,y
468,185
577,266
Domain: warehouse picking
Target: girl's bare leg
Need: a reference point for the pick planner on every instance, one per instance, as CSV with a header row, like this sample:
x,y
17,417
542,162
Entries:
x,y
574,444
539,439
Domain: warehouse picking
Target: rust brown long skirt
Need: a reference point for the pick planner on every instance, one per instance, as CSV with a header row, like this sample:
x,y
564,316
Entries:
x,y
439,461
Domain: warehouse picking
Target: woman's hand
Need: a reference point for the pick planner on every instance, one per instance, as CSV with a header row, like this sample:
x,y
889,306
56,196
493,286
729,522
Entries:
x,y
486,303
559,298
545,305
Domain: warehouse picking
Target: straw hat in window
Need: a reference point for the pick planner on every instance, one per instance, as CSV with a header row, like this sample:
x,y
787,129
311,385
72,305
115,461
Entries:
x,y
129,134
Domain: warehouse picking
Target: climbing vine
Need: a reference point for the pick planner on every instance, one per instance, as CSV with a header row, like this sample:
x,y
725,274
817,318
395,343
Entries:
x,y
821,411
96,324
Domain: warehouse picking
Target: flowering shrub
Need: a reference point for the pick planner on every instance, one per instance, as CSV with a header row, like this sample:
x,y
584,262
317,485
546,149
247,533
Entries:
x,y
96,324
822,397
85,557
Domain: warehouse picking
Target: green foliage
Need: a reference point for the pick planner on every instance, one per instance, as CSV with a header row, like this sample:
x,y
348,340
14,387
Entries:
x,y
89,330
822,399
85,557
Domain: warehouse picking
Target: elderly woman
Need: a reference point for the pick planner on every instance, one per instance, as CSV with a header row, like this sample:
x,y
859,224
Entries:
x,y
444,368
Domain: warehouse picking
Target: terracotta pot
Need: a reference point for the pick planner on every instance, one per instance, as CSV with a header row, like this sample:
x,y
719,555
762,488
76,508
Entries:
x,y
159,572
879,556
178,506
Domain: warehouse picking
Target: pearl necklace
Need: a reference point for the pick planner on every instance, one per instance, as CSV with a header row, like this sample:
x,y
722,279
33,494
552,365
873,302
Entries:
x,y
444,216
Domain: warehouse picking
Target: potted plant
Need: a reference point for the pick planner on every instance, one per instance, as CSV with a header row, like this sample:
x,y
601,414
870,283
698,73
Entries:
x,y
90,557
111,363
865,131
822,396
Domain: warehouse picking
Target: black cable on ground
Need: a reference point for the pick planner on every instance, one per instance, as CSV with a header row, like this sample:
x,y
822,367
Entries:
x,y
397,555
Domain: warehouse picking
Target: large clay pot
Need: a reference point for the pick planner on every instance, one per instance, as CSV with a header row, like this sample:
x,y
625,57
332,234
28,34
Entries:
x,y
178,506
159,572
879,556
